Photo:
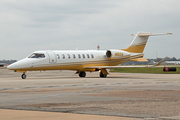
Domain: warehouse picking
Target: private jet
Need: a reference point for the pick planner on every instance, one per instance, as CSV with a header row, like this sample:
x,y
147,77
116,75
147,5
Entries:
x,y
83,61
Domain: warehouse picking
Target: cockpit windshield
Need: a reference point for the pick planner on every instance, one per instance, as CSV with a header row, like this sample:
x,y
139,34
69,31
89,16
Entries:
x,y
37,55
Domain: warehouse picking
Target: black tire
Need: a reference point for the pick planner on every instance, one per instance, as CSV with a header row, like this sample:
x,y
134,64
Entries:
x,y
23,76
102,75
82,74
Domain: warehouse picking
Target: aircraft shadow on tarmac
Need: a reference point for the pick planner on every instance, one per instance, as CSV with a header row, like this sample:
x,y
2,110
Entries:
x,y
87,77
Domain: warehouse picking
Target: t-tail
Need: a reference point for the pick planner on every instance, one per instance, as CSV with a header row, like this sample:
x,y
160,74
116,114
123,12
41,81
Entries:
x,y
139,42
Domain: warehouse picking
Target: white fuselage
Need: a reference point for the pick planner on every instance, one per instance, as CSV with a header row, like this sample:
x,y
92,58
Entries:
x,y
77,60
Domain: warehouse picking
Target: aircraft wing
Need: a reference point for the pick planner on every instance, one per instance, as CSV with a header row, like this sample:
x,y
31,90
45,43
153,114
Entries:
x,y
128,66
120,66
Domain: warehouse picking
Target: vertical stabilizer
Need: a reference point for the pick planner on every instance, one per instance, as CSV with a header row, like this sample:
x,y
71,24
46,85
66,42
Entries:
x,y
139,42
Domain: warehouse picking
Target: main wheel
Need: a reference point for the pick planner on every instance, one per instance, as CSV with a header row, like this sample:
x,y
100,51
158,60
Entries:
x,y
82,74
102,75
23,76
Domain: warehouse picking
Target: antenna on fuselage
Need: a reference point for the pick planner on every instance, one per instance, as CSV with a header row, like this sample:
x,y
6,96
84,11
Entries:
x,y
98,47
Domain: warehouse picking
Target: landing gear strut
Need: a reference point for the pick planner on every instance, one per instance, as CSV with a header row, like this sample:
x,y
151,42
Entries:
x,y
23,76
102,75
82,74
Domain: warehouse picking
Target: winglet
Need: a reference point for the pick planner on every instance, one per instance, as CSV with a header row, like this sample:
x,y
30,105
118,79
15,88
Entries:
x,y
159,63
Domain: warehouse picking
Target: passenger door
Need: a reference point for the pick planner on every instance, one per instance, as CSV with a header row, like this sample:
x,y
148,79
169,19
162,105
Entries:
x,y
52,57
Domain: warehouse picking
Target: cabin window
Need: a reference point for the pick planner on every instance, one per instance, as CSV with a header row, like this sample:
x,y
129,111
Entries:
x,y
37,55
68,56
79,55
92,56
83,55
87,55
74,56
58,56
63,56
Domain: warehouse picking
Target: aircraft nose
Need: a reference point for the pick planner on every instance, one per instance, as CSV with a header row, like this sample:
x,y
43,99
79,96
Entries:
x,y
15,65
21,64
8,67
12,66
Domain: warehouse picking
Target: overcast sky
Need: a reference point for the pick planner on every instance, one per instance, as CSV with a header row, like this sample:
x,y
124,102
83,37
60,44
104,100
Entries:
x,y
30,25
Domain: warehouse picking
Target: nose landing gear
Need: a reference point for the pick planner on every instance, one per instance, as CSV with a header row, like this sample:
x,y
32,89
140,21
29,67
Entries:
x,y
23,76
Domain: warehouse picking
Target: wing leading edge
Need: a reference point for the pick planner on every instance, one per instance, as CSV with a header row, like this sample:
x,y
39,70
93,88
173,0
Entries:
x,y
122,66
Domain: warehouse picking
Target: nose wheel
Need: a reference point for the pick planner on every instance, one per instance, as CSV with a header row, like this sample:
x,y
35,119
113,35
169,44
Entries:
x,y
23,76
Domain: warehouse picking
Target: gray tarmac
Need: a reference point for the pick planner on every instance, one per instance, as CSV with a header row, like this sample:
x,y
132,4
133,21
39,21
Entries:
x,y
142,96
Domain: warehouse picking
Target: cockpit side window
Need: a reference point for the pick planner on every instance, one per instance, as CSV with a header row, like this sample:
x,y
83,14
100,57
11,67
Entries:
x,y
37,55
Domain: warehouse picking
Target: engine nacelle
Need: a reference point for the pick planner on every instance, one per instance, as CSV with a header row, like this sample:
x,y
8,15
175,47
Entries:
x,y
117,54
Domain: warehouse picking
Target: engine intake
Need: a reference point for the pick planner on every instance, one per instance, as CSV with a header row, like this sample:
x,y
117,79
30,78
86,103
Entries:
x,y
108,54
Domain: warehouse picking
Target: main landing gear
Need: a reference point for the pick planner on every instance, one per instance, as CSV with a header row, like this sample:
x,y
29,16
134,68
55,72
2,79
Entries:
x,y
82,74
23,76
102,75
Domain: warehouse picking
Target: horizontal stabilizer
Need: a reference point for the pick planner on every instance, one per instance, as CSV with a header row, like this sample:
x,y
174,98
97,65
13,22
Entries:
x,y
150,34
